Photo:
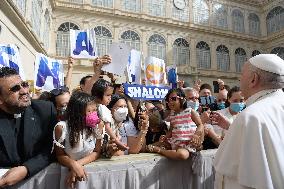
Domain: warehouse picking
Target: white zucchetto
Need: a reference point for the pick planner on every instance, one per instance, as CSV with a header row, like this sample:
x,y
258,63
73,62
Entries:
x,y
268,62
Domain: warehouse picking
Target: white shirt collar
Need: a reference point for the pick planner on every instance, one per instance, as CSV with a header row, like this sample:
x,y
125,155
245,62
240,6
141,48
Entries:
x,y
259,95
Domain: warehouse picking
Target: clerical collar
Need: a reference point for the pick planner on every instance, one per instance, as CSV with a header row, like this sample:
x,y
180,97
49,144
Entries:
x,y
17,115
259,95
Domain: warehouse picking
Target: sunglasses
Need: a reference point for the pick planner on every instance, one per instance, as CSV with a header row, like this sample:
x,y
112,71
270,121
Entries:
x,y
174,98
18,87
59,91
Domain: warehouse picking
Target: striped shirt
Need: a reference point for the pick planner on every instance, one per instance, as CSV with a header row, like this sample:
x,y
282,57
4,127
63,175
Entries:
x,y
183,127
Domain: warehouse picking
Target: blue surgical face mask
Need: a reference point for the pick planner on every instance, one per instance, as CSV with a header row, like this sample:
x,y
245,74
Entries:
x,y
193,105
221,105
237,107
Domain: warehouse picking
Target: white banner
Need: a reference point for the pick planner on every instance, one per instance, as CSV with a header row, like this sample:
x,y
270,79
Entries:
x,y
155,72
10,57
145,92
48,73
134,67
83,44
119,53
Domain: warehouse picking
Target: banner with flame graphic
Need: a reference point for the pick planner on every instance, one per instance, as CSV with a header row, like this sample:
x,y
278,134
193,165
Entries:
x,y
155,71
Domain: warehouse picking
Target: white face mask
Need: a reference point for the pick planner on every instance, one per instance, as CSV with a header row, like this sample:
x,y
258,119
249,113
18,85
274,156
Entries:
x,y
120,114
193,105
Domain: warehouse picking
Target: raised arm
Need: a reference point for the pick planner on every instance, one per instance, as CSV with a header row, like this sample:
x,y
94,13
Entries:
x,y
97,66
68,78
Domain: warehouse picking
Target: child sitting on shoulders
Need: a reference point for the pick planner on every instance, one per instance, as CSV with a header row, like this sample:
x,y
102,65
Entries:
x,y
102,91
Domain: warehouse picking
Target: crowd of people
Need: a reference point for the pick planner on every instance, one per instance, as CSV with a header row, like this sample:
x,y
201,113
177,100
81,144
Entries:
x,y
98,119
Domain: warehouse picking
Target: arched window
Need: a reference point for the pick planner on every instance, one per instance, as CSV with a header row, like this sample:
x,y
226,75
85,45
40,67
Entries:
x,y
103,3
131,5
223,58
45,35
220,16
36,16
238,21
157,7
21,4
181,14
203,55
131,38
254,24
181,52
275,20
255,52
279,51
157,46
63,38
103,39
240,57
200,12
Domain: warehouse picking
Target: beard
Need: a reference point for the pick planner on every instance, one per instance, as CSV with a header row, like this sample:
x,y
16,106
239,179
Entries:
x,y
18,106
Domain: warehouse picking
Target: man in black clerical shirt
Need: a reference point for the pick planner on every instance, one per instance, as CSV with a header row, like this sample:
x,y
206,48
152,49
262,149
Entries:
x,y
25,129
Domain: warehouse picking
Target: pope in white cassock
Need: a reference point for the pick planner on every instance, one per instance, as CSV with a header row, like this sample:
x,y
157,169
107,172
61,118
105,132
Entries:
x,y
252,153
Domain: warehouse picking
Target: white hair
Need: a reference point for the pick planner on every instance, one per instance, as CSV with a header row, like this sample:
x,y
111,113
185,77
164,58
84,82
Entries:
x,y
267,79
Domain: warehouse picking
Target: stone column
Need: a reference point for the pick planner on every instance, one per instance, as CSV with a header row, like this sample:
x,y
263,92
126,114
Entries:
x,y
190,2
263,26
210,5
232,58
193,61
116,32
212,45
28,13
246,21
144,48
117,4
229,19
168,7
169,50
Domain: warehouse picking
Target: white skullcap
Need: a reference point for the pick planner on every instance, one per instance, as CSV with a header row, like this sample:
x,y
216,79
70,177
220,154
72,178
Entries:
x,y
268,62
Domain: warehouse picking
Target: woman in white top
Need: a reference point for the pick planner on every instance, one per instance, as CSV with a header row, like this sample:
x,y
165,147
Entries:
x,y
124,128
77,141
222,119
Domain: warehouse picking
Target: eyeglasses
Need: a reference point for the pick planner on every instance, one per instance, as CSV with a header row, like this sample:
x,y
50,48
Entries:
x,y
59,91
17,87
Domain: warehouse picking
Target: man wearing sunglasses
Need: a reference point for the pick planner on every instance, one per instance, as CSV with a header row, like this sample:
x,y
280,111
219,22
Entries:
x,y
25,129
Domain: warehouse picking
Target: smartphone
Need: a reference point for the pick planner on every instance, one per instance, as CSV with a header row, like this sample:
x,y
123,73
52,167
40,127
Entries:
x,y
142,107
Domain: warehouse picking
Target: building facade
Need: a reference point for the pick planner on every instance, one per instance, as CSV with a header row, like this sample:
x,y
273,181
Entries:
x,y
206,39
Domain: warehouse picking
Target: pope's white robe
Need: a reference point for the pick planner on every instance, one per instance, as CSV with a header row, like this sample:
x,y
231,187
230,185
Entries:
x,y
252,152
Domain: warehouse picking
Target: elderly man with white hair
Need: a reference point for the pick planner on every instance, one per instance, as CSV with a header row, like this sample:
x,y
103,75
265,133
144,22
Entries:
x,y
252,153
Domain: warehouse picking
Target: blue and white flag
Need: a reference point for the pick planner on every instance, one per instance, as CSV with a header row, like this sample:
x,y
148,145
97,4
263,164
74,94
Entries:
x,y
172,75
10,57
48,73
145,92
83,44
134,67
